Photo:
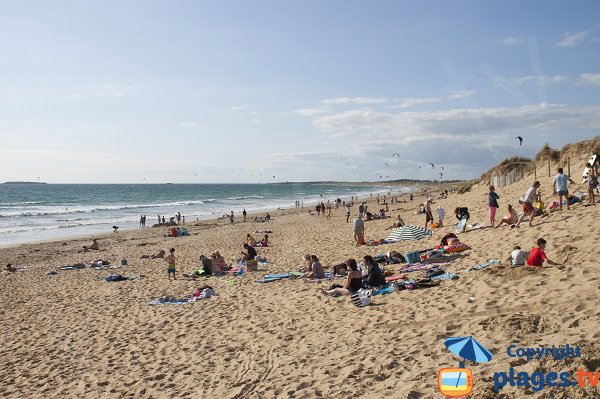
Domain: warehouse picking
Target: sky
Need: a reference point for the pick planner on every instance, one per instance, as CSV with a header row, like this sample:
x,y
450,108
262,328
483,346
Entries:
x,y
272,91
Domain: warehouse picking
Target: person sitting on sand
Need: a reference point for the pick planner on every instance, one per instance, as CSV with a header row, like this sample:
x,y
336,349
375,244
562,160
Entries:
x,y
398,223
250,253
159,255
250,240
509,219
306,267
518,256
93,247
316,268
219,261
375,277
264,242
537,256
353,281
207,266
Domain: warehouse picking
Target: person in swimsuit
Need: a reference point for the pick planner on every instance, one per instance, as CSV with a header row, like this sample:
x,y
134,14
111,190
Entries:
x,y
428,214
509,219
353,281
170,259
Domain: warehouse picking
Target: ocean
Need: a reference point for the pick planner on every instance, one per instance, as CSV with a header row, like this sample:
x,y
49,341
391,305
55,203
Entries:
x,y
39,212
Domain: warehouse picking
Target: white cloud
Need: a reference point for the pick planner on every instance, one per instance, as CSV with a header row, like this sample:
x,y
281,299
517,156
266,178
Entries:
x,y
592,79
511,41
310,111
239,108
413,101
464,123
460,94
355,100
189,124
542,80
571,39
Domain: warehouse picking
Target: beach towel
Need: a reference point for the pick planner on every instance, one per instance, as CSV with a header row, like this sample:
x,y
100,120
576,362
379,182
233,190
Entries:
x,y
273,277
383,291
395,277
167,300
483,266
415,267
328,276
445,276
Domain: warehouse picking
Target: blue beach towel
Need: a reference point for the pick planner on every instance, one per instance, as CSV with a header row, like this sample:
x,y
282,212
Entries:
x,y
483,266
445,276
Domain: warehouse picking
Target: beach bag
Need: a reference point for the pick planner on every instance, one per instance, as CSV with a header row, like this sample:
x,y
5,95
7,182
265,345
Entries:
x,y
413,257
361,298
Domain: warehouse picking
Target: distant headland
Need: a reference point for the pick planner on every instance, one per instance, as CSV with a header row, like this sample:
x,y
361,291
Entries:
x,y
25,182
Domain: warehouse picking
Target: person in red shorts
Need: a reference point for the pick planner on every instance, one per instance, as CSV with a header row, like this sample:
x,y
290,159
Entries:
x,y
537,256
527,200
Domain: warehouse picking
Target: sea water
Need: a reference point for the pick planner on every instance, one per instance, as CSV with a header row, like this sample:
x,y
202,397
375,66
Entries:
x,y
39,212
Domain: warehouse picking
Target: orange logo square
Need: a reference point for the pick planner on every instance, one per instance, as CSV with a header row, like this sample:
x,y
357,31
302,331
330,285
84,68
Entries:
x,y
455,382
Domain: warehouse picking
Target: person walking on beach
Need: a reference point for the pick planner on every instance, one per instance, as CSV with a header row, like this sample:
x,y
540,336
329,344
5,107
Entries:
x,y
170,259
527,201
347,212
561,187
359,231
244,214
493,204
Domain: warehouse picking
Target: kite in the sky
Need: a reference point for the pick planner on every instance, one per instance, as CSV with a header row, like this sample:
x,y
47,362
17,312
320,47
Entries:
x,y
441,175
432,166
386,164
396,154
520,140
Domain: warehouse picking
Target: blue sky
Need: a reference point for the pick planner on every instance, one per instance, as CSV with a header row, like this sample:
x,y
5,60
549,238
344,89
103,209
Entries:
x,y
241,91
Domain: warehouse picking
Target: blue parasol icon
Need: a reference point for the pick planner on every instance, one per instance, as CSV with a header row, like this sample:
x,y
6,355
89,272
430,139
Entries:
x,y
468,348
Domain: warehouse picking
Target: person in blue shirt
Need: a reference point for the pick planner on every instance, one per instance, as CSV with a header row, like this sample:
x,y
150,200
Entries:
x,y
561,187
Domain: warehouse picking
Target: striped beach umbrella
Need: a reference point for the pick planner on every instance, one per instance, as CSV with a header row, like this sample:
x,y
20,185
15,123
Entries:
x,y
408,233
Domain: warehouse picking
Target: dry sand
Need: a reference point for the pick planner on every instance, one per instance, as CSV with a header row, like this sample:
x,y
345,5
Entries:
x,y
75,335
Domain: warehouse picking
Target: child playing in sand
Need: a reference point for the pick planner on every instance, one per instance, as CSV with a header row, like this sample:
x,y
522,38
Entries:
x,y
170,259
518,256
527,200
493,204
441,214
537,256
561,187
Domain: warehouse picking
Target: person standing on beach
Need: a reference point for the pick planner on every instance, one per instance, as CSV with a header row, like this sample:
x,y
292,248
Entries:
x,y
158,219
178,217
359,231
244,214
142,221
231,221
441,214
527,201
428,214
347,206
163,220
561,187
170,259
493,204
592,183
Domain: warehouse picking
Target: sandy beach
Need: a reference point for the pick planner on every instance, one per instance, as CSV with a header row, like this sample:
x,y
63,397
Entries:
x,y
74,335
